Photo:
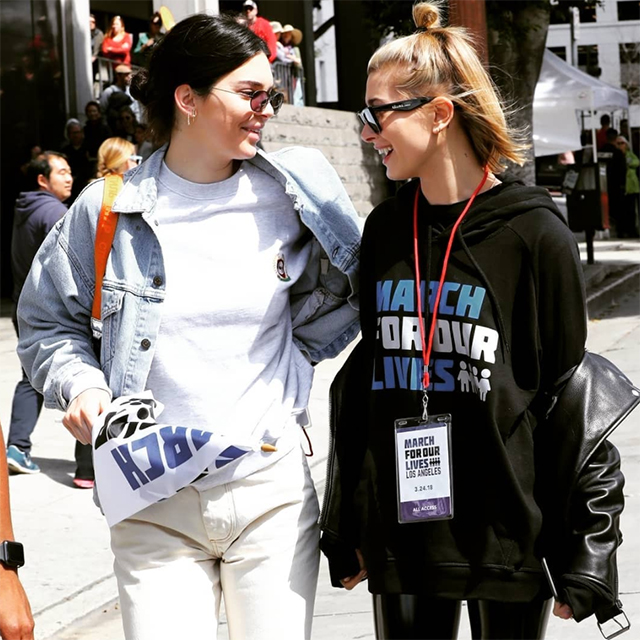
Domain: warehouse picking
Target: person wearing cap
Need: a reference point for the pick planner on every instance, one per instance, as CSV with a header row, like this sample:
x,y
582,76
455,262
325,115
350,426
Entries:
x,y
281,54
148,40
261,27
117,43
121,85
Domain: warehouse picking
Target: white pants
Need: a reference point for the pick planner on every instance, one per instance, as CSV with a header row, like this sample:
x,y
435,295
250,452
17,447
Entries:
x,y
253,541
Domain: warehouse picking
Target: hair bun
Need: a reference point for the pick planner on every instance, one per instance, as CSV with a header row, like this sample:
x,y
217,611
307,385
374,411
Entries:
x,y
140,86
426,15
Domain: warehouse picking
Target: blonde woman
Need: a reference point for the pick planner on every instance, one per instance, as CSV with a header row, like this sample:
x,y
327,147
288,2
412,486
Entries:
x,y
116,155
437,488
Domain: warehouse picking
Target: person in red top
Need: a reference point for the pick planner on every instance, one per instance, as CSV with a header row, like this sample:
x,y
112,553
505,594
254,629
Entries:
x,y
601,133
260,27
117,43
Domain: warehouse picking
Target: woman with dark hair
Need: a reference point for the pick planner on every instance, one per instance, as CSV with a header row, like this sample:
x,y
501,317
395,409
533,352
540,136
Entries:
x,y
95,129
466,458
126,124
148,40
231,273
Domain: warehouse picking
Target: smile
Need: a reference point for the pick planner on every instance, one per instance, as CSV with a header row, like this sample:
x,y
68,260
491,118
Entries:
x,y
385,152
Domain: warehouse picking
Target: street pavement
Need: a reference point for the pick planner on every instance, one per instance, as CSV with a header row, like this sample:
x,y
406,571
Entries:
x,y
68,576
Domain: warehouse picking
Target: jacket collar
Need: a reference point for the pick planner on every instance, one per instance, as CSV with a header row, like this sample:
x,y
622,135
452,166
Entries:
x,y
140,191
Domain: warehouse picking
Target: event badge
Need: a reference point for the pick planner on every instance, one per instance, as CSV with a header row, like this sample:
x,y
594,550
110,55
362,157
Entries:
x,y
423,465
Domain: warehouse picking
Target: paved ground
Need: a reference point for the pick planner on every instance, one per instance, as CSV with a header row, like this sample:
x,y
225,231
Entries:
x,y
68,575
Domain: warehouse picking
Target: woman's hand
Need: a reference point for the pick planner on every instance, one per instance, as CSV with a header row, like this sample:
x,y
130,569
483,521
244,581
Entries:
x,y
83,412
350,582
562,610
16,621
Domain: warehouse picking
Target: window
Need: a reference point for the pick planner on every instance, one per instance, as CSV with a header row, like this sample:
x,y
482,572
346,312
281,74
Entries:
x,y
588,60
561,11
588,12
630,69
561,52
629,10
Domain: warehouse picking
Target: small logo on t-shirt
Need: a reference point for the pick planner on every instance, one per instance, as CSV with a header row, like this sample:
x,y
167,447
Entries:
x,y
281,269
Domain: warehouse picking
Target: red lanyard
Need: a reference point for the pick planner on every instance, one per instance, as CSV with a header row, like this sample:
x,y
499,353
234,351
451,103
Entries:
x,y
426,348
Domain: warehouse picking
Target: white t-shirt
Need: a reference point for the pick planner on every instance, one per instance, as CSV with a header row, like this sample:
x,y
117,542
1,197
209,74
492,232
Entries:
x,y
225,359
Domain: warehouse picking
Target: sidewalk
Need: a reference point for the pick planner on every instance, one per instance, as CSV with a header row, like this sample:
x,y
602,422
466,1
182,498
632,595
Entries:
x,y
68,574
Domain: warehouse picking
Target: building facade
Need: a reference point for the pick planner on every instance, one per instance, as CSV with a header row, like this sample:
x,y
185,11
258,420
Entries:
x,y
605,42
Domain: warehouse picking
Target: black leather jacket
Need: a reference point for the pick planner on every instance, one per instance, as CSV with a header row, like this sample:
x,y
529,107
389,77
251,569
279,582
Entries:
x,y
580,494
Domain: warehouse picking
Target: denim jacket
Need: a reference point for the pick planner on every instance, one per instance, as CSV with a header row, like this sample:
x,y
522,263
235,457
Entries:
x,y
54,311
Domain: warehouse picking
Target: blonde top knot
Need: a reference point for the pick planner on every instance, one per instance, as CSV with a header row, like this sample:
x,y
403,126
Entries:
x,y
442,61
426,15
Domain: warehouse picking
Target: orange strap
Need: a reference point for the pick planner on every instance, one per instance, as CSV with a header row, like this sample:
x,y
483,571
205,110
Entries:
x,y
105,232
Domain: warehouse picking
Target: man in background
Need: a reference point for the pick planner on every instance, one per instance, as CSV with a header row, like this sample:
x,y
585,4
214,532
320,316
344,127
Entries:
x,y
49,181
260,27
37,210
97,36
118,95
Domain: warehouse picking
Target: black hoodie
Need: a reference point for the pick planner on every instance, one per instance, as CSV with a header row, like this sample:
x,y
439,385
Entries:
x,y
511,321
35,215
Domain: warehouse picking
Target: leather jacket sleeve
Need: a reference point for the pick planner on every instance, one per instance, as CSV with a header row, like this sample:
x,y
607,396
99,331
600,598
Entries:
x,y
589,582
580,485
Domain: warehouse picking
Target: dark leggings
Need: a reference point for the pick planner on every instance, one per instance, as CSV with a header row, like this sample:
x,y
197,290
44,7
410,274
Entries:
x,y
414,617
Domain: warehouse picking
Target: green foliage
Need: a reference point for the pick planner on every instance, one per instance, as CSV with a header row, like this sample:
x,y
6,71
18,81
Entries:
x,y
502,16
384,18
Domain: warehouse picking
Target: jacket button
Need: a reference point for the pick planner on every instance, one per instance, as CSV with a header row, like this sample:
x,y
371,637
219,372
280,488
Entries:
x,y
145,344
334,253
157,281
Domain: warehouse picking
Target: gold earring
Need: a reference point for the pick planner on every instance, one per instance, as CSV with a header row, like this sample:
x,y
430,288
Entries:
x,y
191,115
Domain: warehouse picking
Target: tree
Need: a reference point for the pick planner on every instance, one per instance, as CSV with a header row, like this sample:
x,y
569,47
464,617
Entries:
x,y
516,35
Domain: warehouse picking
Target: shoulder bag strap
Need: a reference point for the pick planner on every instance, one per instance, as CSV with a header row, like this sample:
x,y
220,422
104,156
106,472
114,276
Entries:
x,y
105,232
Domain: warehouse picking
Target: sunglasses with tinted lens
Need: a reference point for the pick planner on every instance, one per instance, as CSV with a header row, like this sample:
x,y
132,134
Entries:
x,y
368,116
258,100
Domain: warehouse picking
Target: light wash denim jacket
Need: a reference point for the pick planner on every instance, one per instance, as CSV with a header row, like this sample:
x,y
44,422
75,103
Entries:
x,y
54,311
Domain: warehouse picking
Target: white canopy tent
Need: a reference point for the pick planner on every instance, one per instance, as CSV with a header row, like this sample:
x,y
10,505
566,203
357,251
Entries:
x,y
561,92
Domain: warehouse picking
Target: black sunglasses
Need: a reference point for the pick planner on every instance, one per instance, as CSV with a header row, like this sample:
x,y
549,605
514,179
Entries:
x,y
259,99
368,116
